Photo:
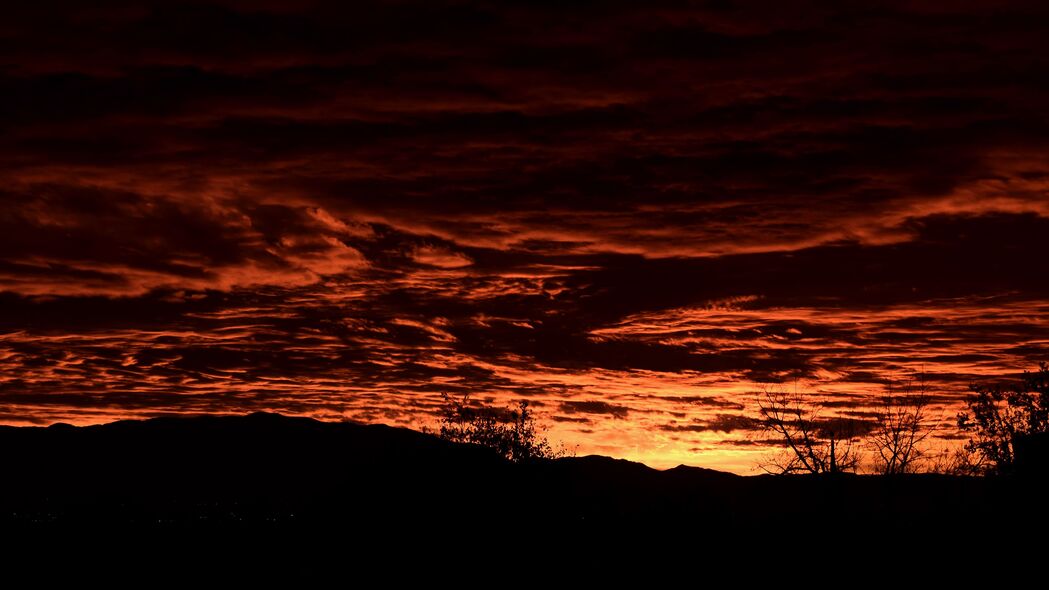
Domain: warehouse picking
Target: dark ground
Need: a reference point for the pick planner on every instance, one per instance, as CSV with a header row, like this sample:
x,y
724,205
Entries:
x,y
265,487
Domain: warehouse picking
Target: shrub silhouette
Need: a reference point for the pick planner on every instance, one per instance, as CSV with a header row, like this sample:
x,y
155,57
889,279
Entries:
x,y
998,414
511,432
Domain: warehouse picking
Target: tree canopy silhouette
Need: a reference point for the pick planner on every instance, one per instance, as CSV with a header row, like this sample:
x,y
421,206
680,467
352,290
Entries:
x,y
998,414
511,432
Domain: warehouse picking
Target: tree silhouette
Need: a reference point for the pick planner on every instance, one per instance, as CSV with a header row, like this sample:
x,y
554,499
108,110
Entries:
x,y
900,428
998,414
813,444
511,432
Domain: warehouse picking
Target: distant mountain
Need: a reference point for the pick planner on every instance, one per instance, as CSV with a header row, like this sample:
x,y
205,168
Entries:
x,y
269,473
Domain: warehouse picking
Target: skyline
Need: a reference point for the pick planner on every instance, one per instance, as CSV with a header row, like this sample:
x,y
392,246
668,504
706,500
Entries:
x,y
633,217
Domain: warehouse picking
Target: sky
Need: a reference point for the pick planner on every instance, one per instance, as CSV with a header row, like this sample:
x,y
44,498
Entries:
x,y
634,215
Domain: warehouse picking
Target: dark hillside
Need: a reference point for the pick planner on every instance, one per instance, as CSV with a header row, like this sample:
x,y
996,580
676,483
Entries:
x,y
296,478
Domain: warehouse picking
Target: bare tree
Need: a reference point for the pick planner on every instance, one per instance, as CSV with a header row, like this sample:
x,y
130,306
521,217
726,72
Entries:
x,y
814,444
901,427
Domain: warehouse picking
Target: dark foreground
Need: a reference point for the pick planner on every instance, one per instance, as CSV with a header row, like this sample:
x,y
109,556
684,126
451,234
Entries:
x,y
270,483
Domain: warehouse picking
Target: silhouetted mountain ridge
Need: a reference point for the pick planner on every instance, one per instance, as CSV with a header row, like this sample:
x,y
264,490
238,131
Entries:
x,y
289,473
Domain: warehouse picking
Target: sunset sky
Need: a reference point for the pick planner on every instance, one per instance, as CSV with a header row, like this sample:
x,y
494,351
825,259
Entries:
x,y
634,215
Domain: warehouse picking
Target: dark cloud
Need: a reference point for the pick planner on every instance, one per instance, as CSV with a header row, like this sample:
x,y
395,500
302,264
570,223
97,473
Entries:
x,y
594,407
719,423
